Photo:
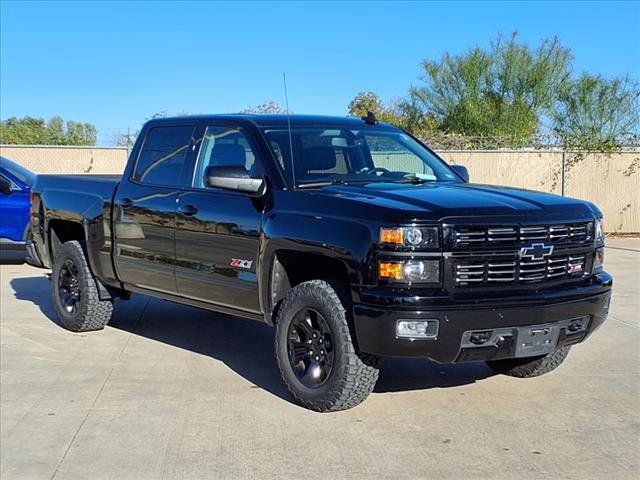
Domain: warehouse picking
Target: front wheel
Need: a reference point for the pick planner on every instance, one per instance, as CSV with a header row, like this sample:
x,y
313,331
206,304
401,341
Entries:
x,y
530,366
318,361
75,293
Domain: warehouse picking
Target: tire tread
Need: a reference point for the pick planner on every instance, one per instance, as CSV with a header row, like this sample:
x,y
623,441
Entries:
x,y
528,368
359,373
93,313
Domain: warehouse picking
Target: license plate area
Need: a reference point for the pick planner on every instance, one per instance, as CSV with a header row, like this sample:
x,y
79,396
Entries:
x,y
536,340
524,341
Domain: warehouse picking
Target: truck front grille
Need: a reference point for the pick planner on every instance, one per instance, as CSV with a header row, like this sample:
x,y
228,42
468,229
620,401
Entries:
x,y
477,272
474,237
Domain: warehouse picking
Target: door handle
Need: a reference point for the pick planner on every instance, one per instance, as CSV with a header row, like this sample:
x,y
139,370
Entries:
x,y
126,202
188,210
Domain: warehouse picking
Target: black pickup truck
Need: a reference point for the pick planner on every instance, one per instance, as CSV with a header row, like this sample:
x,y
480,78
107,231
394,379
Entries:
x,y
351,237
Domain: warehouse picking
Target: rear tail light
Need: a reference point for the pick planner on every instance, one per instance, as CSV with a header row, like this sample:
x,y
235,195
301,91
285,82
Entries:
x,y
32,210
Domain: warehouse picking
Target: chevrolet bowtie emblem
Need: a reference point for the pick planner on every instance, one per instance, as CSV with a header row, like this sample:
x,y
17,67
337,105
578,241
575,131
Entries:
x,y
536,251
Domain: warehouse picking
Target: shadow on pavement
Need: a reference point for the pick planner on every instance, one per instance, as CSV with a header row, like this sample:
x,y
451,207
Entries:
x,y
244,346
37,290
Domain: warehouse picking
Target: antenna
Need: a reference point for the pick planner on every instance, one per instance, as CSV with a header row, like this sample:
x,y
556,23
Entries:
x,y
286,99
370,118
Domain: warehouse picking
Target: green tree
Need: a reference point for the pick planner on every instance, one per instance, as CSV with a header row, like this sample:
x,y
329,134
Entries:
x,y
55,131
268,107
404,113
594,113
412,118
35,131
365,102
27,131
500,91
78,133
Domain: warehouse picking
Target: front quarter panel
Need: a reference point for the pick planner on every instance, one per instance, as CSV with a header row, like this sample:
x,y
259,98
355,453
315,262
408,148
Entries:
x,y
346,240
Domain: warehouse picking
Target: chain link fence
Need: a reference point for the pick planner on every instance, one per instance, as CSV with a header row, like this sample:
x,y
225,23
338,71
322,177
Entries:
x,y
439,140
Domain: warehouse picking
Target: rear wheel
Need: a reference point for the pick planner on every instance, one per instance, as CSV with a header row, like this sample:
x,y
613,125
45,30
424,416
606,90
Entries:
x,y
318,361
530,366
75,293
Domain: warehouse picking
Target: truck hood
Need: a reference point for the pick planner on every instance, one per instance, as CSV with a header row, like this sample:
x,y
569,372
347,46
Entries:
x,y
439,201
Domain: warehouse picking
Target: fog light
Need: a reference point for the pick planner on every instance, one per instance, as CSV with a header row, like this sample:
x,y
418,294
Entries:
x,y
417,328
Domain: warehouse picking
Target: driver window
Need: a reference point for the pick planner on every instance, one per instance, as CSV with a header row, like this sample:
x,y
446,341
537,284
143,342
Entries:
x,y
225,146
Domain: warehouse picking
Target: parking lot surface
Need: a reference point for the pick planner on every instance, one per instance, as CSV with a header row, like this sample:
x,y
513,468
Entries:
x,y
168,392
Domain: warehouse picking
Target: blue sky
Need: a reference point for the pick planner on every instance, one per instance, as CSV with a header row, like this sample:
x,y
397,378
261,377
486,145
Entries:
x,y
115,63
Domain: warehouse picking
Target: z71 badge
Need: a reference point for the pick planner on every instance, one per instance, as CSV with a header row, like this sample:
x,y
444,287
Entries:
x,y
240,263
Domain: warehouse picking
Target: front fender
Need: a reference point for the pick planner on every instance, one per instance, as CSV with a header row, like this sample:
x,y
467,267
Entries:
x,y
346,240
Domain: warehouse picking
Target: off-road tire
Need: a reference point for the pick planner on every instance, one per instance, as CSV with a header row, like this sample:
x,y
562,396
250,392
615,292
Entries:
x,y
92,313
531,366
353,375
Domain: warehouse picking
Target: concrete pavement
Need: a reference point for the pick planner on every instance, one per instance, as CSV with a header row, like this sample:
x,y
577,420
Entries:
x,y
172,392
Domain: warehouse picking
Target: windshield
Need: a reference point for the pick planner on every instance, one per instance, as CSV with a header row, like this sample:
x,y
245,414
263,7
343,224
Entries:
x,y
339,155
25,176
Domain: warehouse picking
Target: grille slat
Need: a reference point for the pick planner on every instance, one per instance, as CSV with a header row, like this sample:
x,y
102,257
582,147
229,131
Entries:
x,y
475,237
489,271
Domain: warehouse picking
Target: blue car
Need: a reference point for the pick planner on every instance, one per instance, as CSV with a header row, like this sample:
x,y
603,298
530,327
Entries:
x,y
15,201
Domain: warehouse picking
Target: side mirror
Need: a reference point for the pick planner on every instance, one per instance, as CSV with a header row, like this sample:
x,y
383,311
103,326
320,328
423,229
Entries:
x,y
5,186
235,178
462,171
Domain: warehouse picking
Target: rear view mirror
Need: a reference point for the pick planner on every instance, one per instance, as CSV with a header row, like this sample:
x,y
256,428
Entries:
x,y
235,178
462,171
5,186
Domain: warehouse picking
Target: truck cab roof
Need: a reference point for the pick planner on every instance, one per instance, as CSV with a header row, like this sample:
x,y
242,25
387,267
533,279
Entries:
x,y
275,120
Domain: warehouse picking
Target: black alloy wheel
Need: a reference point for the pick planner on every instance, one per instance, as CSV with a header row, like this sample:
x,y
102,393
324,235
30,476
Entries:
x,y
310,348
69,287
318,360
74,291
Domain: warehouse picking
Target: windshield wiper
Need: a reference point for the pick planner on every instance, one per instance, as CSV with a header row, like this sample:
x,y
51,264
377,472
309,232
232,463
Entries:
x,y
417,178
335,181
410,178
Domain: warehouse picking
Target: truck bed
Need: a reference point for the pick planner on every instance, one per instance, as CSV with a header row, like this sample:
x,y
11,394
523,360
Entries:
x,y
95,185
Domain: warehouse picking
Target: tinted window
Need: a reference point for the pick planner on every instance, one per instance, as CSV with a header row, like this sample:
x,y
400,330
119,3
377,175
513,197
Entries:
x,y
25,176
11,182
352,155
387,152
225,146
163,155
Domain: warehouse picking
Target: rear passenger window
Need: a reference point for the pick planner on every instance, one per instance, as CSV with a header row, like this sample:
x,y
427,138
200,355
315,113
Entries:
x,y
163,155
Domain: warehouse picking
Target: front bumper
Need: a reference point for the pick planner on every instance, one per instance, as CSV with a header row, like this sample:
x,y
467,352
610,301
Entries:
x,y
375,325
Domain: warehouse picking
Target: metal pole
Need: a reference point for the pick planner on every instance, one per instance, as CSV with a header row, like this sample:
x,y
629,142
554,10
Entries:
x,y
564,171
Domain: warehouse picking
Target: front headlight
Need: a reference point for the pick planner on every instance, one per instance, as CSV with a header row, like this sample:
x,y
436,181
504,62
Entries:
x,y
599,233
410,271
412,236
